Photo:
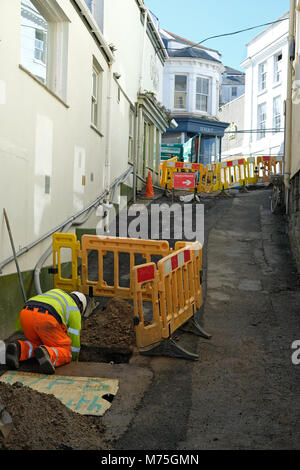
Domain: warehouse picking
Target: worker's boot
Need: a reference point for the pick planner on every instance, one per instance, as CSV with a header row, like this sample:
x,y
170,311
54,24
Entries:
x,y
43,357
13,351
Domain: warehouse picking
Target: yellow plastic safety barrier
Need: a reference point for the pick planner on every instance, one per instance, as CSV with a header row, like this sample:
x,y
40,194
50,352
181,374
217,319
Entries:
x,y
224,175
176,295
172,285
108,252
147,332
233,174
69,241
268,166
210,180
133,248
197,253
164,173
177,289
172,168
251,167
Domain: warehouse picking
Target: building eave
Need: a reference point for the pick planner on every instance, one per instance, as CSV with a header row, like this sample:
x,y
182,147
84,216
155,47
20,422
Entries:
x,y
267,29
153,30
94,28
154,111
212,63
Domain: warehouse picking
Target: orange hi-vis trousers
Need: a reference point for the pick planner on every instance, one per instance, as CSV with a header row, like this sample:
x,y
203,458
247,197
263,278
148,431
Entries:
x,y
42,329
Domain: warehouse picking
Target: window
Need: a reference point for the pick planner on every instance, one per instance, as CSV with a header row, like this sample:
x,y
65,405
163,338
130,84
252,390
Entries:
x,y
96,83
202,94
40,50
44,43
277,114
180,91
146,147
261,120
277,67
34,34
234,92
96,8
262,76
131,136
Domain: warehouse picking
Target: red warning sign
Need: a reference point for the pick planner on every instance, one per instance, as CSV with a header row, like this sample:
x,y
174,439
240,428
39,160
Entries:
x,y
184,180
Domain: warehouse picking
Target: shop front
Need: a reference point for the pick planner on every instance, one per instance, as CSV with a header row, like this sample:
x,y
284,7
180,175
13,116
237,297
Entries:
x,y
206,138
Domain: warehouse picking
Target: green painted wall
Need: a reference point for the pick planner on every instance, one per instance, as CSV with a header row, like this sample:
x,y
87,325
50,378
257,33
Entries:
x,y
10,290
12,299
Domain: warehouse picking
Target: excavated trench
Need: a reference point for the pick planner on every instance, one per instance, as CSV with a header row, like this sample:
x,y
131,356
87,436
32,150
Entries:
x,y
108,334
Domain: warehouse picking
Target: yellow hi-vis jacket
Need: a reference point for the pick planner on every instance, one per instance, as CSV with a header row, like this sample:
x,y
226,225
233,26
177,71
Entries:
x,y
67,309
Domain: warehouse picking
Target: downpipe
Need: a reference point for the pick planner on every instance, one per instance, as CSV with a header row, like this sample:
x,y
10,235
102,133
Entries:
x,y
289,104
68,225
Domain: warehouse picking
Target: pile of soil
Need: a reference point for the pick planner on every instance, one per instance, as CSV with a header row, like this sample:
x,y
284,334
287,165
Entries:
x,y
42,422
108,335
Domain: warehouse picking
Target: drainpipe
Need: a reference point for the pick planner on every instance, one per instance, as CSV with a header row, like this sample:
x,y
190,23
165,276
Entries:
x,y
289,104
135,157
107,164
143,49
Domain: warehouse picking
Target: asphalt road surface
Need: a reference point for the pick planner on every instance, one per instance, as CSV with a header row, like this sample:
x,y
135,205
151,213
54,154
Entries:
x,y
243,392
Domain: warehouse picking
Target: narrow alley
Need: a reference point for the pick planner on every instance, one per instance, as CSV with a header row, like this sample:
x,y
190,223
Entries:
x,y
150,228
243,391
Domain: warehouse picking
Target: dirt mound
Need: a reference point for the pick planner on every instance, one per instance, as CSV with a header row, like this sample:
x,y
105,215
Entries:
x,y
108,334
41,422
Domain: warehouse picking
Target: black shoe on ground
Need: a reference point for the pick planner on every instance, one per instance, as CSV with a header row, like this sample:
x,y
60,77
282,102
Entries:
x,y
12,356
42,355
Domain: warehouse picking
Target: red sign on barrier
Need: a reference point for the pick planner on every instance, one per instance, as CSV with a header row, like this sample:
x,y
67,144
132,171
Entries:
x,y
184,180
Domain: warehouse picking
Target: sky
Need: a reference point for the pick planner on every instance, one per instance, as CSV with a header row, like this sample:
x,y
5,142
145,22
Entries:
x,y
199,19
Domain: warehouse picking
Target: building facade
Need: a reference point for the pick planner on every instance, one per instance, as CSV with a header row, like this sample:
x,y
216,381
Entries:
x,y
191,91
233,140
292,155
265,91
232,86
80,107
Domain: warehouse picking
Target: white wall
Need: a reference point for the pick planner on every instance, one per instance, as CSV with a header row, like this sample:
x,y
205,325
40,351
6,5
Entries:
x,y
191,68
227,92
295,157
45,135
234,113
262,49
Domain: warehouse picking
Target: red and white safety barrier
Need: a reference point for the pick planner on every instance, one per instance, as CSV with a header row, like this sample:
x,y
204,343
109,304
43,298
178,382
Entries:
x,y
176,261
184,165
146,273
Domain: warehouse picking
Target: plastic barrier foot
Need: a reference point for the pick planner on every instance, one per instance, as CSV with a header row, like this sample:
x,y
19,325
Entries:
x,y
192,326
243,190
224,194
168,348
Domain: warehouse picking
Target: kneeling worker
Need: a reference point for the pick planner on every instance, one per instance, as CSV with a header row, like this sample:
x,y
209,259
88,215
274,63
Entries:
x,y
51,323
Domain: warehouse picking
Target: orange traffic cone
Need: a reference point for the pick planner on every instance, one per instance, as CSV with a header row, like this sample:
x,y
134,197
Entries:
x,y
149,186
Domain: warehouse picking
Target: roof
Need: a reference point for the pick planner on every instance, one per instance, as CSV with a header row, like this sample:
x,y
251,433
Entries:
x,y
192,50
192,53
188,42
231,71
233,80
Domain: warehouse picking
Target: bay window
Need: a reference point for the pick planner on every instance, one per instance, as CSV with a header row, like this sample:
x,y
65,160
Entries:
x,y
202,94
180,94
